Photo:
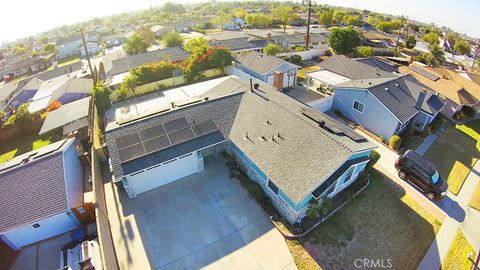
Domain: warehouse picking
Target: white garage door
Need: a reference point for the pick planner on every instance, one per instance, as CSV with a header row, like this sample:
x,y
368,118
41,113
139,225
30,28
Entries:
x,y
163,174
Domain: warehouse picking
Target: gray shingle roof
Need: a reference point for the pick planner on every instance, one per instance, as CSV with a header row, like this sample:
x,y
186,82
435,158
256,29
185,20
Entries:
x,y
35,190
124,64
299,38
259,62
297,161
382,64
66,114
352,69
241,44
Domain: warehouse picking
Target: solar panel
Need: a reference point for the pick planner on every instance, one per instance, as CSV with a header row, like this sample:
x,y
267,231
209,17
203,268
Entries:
x,y
131,152
205,127
175,125
425,73
156,144
152,132
128,140
182,135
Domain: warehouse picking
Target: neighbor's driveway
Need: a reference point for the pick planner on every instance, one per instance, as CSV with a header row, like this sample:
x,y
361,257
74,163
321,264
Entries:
x,y
202,221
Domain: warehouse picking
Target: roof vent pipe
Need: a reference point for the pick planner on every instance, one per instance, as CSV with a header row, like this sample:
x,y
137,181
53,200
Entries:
x,y
255,86
251,85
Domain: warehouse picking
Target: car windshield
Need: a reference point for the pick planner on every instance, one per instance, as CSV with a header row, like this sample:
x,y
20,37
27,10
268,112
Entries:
x,y
435,177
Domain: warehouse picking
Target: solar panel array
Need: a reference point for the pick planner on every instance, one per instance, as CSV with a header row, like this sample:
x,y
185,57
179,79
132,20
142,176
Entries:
x,y
425,73
331,124
155,138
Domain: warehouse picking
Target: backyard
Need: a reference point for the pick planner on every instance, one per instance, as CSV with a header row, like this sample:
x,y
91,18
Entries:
x,y
18,146
457,256
302,71
382,223
455,152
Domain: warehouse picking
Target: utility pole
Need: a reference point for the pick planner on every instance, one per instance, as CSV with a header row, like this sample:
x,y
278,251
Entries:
x,y
88,57
307,39
399,32
474,58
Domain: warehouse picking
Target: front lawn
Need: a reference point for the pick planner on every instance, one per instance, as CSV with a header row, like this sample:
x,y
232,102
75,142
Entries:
x,y
475,200
455,152
18,146
457,256
382,223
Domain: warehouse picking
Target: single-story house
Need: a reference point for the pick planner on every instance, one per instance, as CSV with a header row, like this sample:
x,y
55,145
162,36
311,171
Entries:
x,y
381,63
264,129
376,38
63,89
70,46
25,66
114,40
238,43
269,69
93,48
72,117
7,91
457,90
318,41
38,191
161,30
25,93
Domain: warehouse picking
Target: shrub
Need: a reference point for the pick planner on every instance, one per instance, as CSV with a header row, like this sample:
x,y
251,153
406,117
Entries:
x,y
22,117
395,142
272,49
101,97
172,39
296,59
154,72
374,157
382,138
364,51
55,105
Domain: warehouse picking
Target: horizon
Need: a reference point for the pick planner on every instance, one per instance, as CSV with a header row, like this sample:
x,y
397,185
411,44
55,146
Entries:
x,y
462,13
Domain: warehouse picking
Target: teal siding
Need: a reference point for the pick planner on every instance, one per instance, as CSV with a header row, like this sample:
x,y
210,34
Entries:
x,y
247,160
304,202
361,154
285,197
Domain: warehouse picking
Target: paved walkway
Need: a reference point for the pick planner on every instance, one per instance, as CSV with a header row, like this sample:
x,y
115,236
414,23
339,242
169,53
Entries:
x,y
460,215
427,143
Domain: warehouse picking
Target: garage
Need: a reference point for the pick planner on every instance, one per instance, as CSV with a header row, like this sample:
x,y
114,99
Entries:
x,y
163,173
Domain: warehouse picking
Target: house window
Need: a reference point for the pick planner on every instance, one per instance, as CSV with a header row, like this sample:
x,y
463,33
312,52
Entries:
x,y
273,187
349,175
36,225
358,106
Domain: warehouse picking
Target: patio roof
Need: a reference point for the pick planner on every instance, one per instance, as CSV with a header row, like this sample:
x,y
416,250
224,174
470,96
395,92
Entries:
x,y
327,77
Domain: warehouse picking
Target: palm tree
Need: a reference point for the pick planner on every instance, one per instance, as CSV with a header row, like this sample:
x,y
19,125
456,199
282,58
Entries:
x,y
436,56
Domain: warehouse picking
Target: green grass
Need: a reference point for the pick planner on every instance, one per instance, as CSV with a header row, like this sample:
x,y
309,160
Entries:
x,y
475,200
302,71
382,223
21,146
457,256
455,152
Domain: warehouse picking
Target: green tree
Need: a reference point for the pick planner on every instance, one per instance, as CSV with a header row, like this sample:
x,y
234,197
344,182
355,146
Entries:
x,y
173,8
284,15
325,18
364,51
353,20
172,39
410,42
240,13
22,117
49,48
101,97
272,49
196,46
436,56
222,18
259,20
3,117
338,16
129,83
462,47
221,58
343,40
395,142
43,40
147,33
135,44
431,38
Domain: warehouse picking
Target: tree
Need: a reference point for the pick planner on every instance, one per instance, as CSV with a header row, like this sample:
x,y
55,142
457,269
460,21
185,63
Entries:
x,y
49,48
172,39
196,46
22,117
258,20
325,18
284,15
3,117
101,97
221,58
174,8
43,40
436,56
431,38
338,16
410,42
135,44
343,40
395,142
364,51
240,13
222,18
353,20
462,47
147,33
272,49
130,82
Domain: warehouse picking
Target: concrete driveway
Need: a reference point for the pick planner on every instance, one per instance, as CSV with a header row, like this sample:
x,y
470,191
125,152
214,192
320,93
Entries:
x,y
204,221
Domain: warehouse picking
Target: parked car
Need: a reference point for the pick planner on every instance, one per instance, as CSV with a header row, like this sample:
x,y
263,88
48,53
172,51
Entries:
x,y
422,173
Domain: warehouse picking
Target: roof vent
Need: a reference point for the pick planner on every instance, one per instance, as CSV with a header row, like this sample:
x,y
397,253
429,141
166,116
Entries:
x,y
396,83
386,89
268,122
370,83
278,135
255,86
321,123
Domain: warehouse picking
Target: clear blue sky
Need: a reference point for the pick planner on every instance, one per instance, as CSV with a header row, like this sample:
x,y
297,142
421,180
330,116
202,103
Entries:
x,y
35,16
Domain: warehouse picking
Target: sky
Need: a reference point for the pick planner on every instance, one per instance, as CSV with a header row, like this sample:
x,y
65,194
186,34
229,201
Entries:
x,y
41,15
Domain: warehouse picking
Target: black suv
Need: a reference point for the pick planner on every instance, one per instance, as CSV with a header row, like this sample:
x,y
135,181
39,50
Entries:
x,y
422,173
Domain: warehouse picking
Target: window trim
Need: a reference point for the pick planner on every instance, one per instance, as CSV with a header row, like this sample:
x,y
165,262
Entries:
x,y
359,103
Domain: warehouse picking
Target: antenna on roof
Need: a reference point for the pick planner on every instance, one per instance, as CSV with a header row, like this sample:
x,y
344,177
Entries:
x,y
278,135
246,135
256,85
251,85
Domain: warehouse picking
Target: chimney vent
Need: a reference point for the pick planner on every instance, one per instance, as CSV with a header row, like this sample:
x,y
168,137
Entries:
x,y
278,135
321,123
256,85
268,122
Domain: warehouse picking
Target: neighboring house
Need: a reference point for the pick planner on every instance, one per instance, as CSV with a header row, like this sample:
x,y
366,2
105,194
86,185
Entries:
x,y
114,40
238,43
318,41
63,89
93,49
379,39
7,91
457,90
39,191
25,66
73,117
269,69
295,153
382,102
25,93
381,63
161,30
119,65
70,46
